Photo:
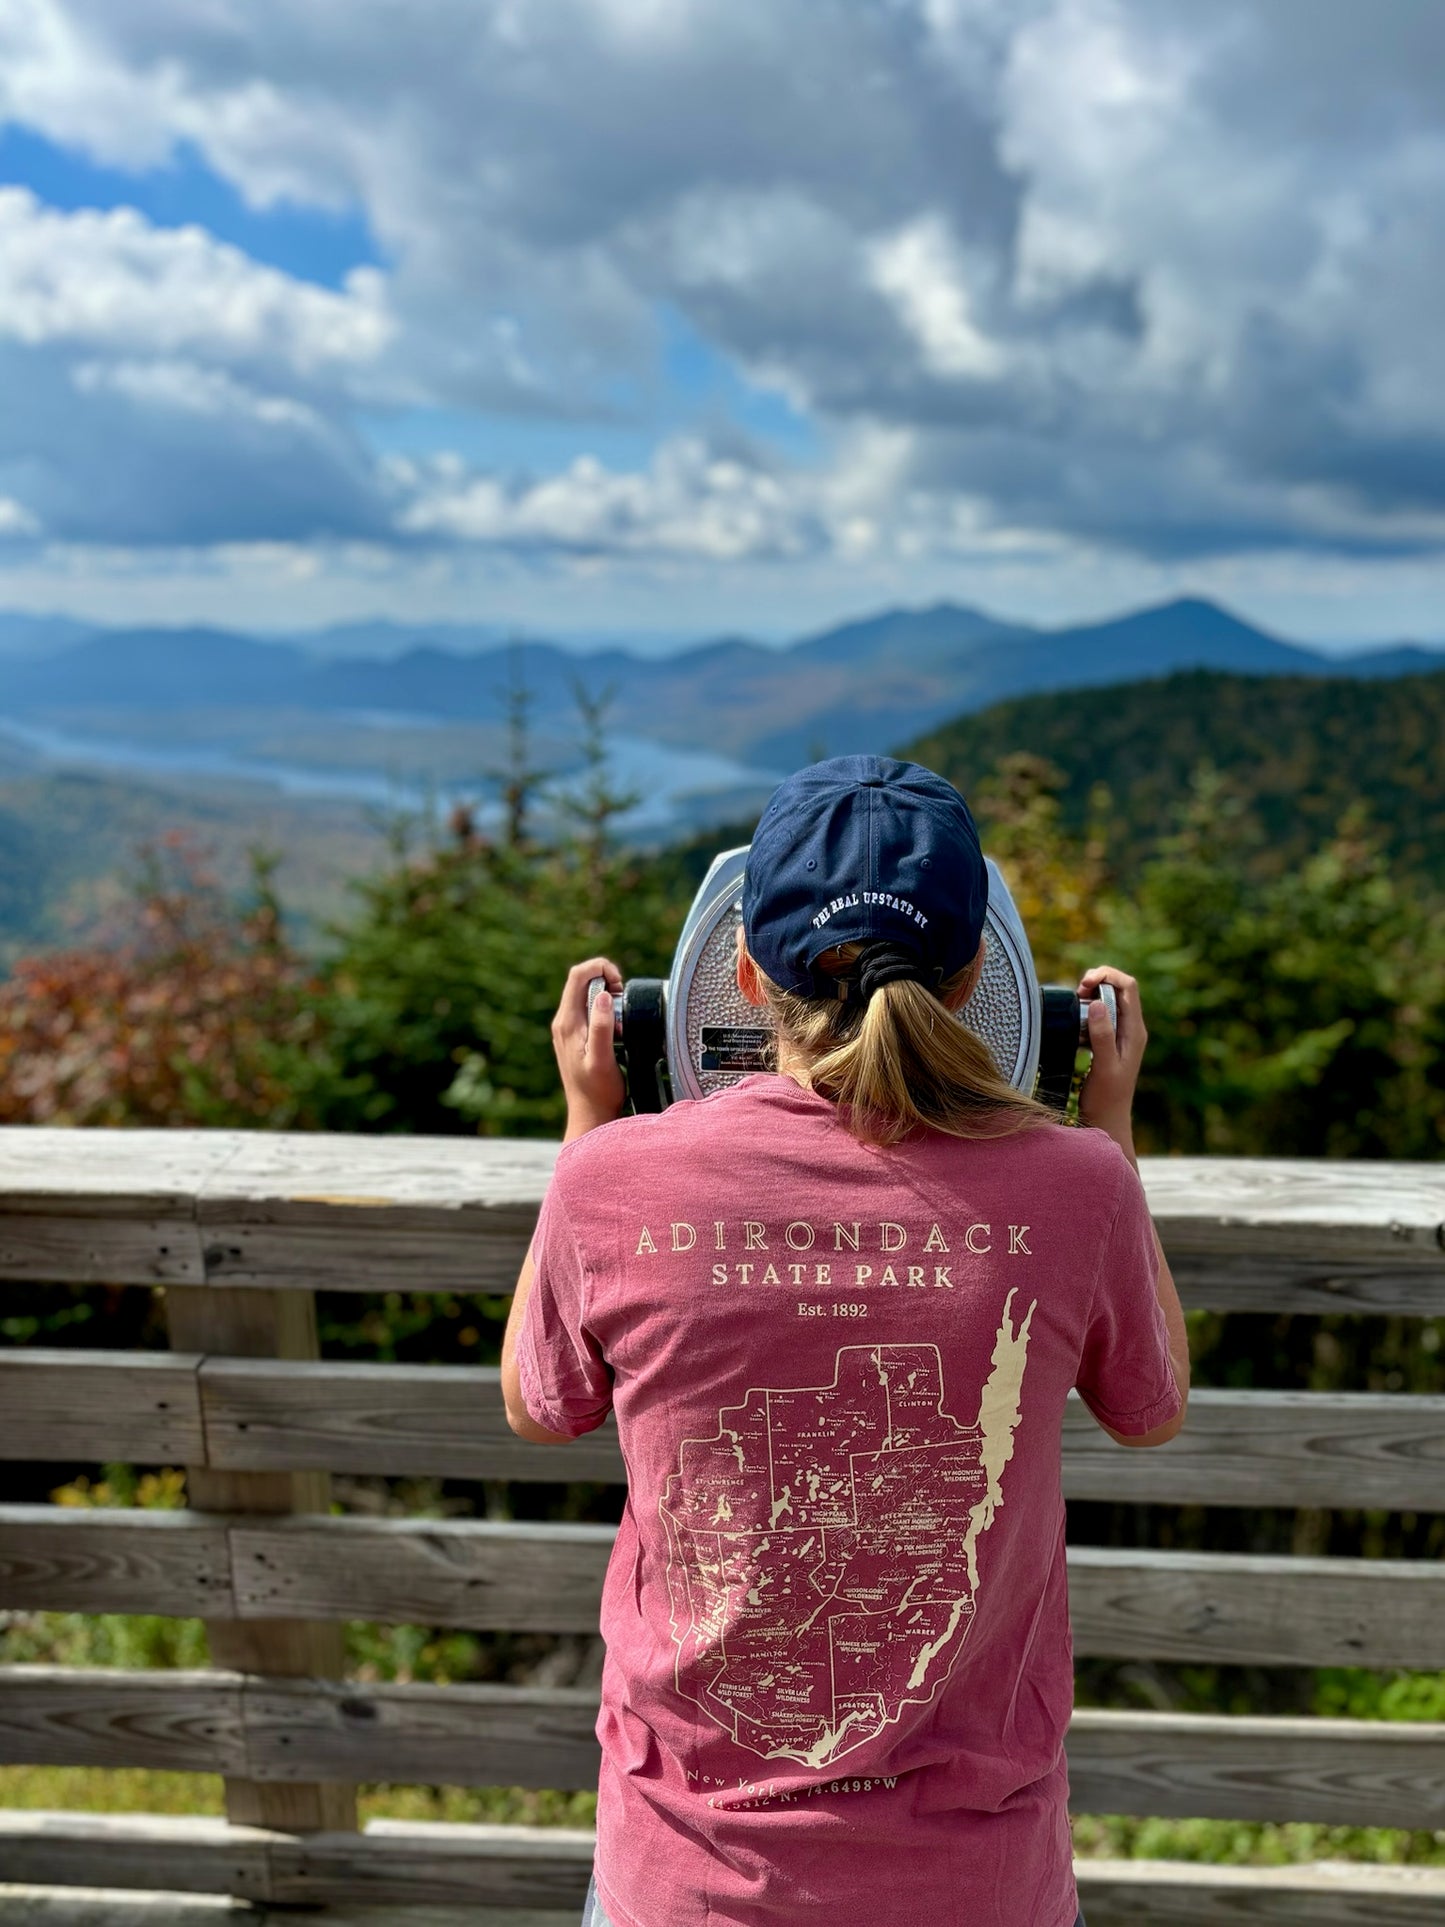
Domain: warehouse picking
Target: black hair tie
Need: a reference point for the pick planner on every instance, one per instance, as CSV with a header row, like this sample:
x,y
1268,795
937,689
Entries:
x,y
887,963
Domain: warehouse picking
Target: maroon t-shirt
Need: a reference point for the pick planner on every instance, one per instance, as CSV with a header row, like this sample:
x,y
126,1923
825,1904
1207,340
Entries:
x,y
839,1669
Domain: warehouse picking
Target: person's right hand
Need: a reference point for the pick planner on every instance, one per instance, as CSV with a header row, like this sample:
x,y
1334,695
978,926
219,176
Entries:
x,y
1106,1099
586,1056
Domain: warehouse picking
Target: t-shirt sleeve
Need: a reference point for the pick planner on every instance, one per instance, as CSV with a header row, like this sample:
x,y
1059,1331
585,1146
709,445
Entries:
x,y
565,1381
1125,1376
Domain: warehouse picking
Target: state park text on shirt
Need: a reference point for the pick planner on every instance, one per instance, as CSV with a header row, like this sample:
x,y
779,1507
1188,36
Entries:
x,y
793,1254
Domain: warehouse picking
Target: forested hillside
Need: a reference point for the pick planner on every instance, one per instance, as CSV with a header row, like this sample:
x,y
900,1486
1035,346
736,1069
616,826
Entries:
x,y
1298,752
73,844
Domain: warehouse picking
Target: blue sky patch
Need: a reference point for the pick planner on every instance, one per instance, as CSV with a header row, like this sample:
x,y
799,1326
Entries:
x,y
712,385
311,244
693,389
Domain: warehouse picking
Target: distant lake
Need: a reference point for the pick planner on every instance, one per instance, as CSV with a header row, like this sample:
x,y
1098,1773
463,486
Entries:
x,y
674,784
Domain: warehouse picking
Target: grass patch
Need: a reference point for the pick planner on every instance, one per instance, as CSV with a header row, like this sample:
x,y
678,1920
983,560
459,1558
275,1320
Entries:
x,y
90,1789
134,1642
95,1789
1251,1843
512,1806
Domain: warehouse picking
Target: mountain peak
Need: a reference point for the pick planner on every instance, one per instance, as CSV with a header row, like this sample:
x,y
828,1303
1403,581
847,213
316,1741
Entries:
x,y
942,629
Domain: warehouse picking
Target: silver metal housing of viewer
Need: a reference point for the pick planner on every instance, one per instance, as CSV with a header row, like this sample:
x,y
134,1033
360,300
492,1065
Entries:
x,y
693,1033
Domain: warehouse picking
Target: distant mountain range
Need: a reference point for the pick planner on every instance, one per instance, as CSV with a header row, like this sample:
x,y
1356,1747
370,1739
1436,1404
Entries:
x,y
863,685
22,634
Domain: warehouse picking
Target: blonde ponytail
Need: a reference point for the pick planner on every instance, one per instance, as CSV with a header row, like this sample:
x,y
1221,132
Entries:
x,y
899,1061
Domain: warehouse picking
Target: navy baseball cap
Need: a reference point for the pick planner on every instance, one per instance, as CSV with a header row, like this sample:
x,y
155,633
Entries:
x,y
863,849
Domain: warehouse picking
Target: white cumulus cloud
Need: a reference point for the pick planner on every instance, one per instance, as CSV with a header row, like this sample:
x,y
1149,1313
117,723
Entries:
x,y
112,280
691,502
16,519
919,271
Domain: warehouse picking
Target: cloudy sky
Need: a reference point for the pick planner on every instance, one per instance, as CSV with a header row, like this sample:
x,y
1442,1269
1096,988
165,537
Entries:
x,y
664,316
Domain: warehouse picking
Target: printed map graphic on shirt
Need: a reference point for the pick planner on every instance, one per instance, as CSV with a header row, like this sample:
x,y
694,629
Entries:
x,y
823,1546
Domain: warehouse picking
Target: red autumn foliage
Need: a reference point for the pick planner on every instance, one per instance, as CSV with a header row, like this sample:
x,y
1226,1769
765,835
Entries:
x,y
175,1021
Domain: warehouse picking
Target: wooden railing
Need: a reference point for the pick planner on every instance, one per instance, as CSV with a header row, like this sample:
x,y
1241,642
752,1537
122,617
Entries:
x,y
241,1230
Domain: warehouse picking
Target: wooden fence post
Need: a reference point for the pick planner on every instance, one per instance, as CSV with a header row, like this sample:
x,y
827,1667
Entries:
x,y
237,1322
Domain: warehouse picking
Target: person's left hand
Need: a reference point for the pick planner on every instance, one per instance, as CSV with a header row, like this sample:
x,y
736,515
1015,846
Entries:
x,y
1106,1099
585,1053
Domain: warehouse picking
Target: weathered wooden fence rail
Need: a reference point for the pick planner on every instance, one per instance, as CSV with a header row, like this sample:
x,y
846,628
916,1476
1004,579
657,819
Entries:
x,y
263,1415
242,1229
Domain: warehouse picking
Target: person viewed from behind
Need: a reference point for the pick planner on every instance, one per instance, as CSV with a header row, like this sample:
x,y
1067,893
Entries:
x,y
837,1310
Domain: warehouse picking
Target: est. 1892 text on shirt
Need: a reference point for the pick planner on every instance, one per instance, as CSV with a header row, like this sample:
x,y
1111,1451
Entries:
x,y
839,1670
